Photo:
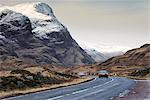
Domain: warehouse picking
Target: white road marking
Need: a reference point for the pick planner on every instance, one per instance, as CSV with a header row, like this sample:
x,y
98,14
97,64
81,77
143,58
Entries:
x,y
101,90
55,97
89,94
76,92
80,91
104,83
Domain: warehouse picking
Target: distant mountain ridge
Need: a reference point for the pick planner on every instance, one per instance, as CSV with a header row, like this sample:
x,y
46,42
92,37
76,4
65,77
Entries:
x,y
97,56
32,34
135,57
100,56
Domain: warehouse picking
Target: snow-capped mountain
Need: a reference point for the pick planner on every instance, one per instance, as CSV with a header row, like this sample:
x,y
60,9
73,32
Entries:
x,y
41,16
97,56
32,33
103,52
105,48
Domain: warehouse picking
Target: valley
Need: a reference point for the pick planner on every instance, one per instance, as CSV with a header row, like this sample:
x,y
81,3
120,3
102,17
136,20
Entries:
x,y
40,60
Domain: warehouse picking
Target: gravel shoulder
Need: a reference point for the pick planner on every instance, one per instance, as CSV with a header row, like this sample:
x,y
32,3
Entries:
x,y
141,91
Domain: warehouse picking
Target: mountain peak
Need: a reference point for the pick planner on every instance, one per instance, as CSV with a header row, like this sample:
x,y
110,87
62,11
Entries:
x,y
145,45
46,42
43,8
36,10
13,24
41,16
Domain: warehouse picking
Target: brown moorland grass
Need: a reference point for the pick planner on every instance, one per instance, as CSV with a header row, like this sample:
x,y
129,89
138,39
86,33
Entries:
x,y
62,80
4,94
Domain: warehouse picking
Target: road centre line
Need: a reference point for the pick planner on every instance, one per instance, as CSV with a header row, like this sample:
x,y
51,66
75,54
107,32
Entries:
x,y
80,91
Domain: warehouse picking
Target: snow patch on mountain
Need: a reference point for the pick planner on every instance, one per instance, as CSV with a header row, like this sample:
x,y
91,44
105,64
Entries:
x,y
41,16
43,8
96,55
103,52
1,36
106,48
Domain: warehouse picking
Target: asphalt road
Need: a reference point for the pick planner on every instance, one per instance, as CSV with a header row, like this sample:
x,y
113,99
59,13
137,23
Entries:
x,y
98,89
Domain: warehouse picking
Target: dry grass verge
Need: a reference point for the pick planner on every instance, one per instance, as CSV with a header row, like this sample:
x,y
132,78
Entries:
x,y
43,88
133,72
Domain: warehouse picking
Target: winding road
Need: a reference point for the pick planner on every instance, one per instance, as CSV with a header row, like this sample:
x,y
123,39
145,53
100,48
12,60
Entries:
x,y
97,89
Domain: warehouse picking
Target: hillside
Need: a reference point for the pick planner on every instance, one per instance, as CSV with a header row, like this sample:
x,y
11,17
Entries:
x,y
34,79
30,33
30,78
135,57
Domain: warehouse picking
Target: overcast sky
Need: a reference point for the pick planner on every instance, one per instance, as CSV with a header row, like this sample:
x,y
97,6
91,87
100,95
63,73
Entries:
x,y
110,22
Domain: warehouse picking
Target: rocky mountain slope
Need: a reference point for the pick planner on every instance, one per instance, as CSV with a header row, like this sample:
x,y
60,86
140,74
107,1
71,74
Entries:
x,y
32,34
135,57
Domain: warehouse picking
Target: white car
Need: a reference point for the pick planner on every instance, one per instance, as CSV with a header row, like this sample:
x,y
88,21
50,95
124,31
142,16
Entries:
x,y
103,73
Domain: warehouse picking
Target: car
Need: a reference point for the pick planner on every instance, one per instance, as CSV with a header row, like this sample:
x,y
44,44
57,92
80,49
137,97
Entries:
x,y
103,74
